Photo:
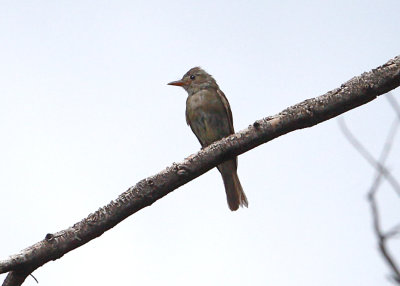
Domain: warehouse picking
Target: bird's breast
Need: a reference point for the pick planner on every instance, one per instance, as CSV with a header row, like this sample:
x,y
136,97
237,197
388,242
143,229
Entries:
x,y
204,101
206,116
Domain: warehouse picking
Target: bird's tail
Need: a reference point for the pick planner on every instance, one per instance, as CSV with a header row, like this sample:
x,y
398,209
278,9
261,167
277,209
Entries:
x,y
233,188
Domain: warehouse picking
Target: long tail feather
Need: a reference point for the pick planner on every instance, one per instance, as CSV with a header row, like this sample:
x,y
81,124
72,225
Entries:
x,y
234,191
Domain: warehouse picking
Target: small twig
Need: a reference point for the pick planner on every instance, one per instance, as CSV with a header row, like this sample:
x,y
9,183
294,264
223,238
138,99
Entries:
x,y
34,278
368,157
382,239
393,231
394,104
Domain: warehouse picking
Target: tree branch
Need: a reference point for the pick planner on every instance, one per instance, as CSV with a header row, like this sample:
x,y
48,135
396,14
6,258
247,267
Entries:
x,y
357,91
381,171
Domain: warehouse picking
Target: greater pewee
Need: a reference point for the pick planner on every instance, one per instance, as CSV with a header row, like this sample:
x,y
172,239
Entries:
x,y
209,115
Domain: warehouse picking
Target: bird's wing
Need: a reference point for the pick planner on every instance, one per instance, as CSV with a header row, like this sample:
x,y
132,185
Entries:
x,y
228,113
227,108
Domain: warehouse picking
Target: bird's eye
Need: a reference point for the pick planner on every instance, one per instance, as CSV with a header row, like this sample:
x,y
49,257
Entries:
x,y
192,77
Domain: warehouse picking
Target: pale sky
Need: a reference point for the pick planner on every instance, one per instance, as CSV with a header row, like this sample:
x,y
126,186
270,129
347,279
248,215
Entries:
x,y
85,113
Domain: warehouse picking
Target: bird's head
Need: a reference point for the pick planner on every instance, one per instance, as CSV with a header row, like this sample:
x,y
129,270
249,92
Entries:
x,y
195,80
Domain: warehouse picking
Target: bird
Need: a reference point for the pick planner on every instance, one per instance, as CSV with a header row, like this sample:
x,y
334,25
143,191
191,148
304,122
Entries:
x,y
209,115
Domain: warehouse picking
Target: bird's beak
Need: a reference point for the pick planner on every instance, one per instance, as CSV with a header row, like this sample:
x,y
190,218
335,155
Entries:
x,y
177,83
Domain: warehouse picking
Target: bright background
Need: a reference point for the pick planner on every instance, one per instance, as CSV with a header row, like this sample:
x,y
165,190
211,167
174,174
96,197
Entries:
x,y
85,113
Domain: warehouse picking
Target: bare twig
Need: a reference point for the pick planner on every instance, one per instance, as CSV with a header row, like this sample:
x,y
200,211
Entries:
x,y
394,104
34,278
368,157
381,172
394,231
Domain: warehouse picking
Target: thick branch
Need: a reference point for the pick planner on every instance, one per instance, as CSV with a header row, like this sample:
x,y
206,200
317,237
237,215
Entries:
x,y
357,91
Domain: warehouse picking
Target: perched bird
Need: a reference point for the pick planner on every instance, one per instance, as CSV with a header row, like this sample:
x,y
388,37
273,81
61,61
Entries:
x,y
209,115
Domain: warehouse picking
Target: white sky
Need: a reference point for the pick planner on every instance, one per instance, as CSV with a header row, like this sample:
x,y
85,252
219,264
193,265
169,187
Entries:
x,y
85,113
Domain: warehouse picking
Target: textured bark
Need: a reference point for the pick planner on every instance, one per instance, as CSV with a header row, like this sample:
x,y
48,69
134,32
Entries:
x,y
357,91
